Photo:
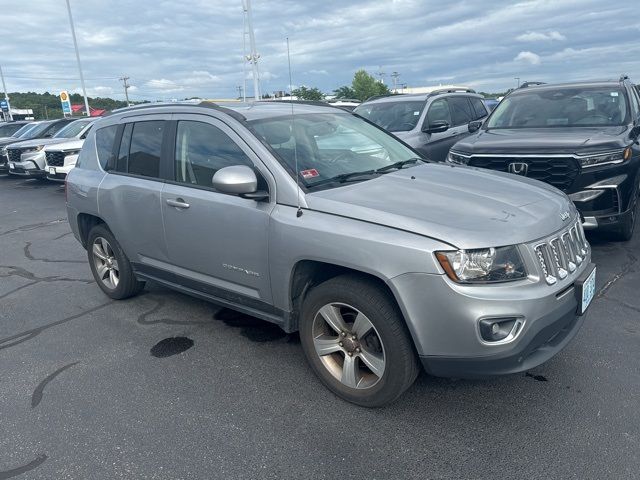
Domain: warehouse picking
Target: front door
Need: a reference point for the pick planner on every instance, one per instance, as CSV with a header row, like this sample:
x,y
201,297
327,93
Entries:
x,y
218,242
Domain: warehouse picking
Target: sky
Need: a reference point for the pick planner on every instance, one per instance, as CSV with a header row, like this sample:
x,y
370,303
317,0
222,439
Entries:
x,y
194,48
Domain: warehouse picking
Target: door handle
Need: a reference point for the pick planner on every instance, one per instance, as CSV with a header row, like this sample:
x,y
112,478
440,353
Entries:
x,y
178,203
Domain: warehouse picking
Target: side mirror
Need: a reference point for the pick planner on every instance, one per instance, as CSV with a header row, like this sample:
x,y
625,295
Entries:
x,y
47,135
474,126
238,180
436,127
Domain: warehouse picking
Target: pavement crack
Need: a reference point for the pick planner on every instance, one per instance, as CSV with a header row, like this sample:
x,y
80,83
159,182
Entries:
x,y
33,226
14,271
14,472
10,292
626,268
623,303
36,397
27,253
22,337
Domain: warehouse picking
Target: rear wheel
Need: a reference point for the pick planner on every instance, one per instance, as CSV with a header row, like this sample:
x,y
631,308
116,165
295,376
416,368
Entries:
x,y
110,266
356,341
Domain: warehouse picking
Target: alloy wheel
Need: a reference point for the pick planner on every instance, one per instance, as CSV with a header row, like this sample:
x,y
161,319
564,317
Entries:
x,y
348,345
105,262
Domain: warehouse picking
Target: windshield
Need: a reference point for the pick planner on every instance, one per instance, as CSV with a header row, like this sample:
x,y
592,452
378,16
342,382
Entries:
x,y
25,128
9,129
37,131
392,116
73,129
330,145
561,107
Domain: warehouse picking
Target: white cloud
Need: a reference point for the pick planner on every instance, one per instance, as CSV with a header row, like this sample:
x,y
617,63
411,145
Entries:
x,y
541,36
528,57
318,72
164,85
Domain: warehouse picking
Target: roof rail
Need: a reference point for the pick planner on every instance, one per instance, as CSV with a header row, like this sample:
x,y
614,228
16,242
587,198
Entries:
x,y
531,84
317,103
440,91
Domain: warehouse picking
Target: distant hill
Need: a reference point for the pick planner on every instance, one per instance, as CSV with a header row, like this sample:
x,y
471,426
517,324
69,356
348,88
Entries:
x,y
38,102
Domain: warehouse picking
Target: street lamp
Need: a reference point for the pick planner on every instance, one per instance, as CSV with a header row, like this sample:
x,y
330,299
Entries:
x,y
75,44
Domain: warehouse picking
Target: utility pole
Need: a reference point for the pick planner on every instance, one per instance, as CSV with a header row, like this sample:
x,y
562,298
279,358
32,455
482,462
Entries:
x,y
124,79
253,57
240,89
75,44
381,74
395,76
6,97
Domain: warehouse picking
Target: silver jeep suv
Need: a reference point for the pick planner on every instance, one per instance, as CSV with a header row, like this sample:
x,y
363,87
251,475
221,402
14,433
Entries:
x,y
319,221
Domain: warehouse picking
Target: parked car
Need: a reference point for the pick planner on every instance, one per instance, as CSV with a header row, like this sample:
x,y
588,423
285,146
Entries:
x,y
378,260
431,123
580,137
7,129
27,158
21,134
60,158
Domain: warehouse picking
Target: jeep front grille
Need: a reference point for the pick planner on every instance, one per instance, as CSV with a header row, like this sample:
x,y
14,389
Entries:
x,y
14,154
55,159
560,255
558,171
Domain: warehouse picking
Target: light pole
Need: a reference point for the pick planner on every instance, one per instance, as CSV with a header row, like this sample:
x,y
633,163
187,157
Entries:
x,y
75,44
6,97
518,80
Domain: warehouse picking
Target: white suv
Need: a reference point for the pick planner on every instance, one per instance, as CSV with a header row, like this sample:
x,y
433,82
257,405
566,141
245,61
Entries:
x,y
61,158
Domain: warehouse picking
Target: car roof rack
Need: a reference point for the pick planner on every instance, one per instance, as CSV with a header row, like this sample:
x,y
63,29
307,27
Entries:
x,y
531,84
440,91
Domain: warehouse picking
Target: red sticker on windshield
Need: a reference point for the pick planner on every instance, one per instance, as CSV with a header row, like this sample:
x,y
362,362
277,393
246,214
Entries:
x,y
311,173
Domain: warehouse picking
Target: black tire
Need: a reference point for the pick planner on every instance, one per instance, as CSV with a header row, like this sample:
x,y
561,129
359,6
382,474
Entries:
x,y
401,362
624,232
128,285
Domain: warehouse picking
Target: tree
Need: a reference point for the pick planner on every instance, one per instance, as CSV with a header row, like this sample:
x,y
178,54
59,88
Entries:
x,y
304,93
365,86
344,92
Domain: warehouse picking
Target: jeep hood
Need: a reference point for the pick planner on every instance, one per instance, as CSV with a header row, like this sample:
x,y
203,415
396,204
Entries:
x,y
463,206
577,140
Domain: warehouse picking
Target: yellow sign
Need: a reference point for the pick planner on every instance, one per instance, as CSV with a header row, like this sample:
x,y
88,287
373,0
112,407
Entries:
x,y
64,96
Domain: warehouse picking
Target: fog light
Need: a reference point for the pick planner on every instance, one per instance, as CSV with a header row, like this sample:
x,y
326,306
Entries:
x,y
499,329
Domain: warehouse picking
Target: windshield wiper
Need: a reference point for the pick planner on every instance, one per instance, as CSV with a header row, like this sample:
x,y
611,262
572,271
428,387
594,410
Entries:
x,y
344,177
398,165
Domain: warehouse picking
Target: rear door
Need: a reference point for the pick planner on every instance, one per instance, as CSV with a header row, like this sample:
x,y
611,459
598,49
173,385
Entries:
x,y
438,144
217,243
129,197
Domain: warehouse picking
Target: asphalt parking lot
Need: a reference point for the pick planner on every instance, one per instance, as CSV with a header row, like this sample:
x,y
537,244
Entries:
x,y
87,390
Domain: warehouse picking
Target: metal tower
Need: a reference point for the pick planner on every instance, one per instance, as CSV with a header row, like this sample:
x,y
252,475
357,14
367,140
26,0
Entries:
x,y
253,55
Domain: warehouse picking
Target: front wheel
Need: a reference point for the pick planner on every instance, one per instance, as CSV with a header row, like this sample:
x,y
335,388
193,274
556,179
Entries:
x,y
624,232
356,341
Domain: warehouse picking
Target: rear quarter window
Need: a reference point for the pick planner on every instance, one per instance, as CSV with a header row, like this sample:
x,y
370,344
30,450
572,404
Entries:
x,y
104,144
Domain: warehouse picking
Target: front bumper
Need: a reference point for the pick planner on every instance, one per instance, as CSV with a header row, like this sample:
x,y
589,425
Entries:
x,y
27,168
443,318
58,174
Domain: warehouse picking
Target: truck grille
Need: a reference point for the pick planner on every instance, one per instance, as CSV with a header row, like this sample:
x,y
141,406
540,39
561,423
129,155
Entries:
x,y
55,159
559,256
14,154
558,171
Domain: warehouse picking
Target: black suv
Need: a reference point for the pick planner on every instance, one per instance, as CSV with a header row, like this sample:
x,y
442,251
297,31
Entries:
x,y
580,137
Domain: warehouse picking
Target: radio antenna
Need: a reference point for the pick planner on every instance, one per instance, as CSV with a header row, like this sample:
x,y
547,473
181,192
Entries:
x,y
293,134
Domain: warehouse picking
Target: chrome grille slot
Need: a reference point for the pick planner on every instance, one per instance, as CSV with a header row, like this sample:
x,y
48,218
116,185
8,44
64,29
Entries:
x,y
559,256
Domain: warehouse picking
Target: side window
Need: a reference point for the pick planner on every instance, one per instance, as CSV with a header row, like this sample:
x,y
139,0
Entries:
x,y
55,128
144,152
478,108
203,149
123,151
438,112
635,105
104,143
460,110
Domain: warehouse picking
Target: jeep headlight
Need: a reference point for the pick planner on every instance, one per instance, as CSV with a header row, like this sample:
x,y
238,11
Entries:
x,y
486,265
618,156
457,158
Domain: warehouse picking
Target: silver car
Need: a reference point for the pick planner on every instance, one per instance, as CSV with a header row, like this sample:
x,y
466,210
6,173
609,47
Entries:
x,y
380,260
